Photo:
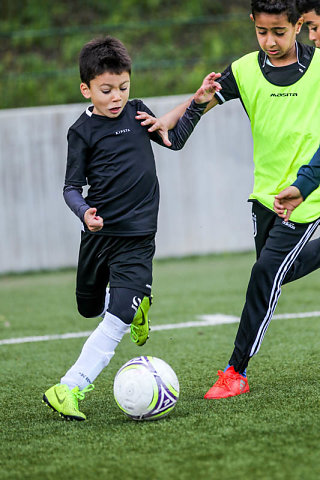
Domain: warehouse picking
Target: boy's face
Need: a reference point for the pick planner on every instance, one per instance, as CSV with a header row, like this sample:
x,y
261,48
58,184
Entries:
x,y
313,23
109,93
277,36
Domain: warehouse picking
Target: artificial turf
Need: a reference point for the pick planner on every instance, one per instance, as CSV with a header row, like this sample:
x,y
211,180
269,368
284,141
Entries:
x,y
270,433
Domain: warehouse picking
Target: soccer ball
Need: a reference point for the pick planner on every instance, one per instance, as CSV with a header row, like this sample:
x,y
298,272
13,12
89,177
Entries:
x,y
146,388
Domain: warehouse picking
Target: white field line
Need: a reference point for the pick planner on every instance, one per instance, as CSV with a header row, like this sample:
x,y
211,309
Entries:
x,y
203,321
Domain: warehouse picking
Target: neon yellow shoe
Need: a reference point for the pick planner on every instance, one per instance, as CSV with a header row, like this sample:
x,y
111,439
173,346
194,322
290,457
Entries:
x,y
140,324
65,401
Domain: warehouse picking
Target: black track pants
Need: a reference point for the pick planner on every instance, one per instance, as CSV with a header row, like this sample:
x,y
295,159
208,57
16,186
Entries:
x,y
284,254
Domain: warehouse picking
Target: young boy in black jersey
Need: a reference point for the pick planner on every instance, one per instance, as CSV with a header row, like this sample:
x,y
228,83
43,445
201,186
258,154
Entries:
x,y
279,89
109,150
308,177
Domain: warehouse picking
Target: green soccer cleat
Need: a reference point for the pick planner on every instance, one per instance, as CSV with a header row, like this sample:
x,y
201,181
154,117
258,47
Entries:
x,y
65,401
139,328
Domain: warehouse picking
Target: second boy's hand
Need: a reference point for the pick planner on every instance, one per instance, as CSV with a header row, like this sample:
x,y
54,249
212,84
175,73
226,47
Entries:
x,y
93,221
156,126
208,88
203,95
286,201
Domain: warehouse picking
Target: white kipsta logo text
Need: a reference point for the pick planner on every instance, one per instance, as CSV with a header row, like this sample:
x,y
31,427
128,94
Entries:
x,y
125,130
135,303
289,224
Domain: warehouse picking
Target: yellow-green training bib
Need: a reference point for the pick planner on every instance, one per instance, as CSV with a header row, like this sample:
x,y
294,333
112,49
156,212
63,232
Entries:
x,y
285,124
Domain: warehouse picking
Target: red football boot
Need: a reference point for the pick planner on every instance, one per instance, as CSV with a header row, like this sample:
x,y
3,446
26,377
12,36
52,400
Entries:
x,y
229,384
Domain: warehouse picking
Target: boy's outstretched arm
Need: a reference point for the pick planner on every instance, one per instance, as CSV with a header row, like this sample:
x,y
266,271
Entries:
x,y
164,123
168,121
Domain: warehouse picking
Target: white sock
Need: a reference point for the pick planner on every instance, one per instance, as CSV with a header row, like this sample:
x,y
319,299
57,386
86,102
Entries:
x,y
96,352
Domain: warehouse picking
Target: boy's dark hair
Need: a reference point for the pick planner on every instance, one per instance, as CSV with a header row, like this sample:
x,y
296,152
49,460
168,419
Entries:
x,y
305,6
277,7
101,55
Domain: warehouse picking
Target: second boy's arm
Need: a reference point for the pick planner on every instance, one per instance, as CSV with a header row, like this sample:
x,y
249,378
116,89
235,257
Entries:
x,y
186,124
308,179
205,94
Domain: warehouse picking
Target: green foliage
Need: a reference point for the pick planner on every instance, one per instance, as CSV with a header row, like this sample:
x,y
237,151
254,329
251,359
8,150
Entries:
x,y
173,44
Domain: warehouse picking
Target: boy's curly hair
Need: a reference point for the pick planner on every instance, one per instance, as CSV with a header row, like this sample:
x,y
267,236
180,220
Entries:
x,y
101,55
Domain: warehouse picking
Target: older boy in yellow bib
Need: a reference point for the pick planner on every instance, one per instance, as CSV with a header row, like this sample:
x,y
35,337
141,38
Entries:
x,y
308,178
279,89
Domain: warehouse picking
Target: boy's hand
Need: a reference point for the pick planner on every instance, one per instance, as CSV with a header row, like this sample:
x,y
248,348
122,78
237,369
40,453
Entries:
x,y
156,125
208,88
93,222
205,93
286,201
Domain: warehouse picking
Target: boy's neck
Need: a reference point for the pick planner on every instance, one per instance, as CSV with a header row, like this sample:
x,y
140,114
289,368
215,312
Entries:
x,y
290,58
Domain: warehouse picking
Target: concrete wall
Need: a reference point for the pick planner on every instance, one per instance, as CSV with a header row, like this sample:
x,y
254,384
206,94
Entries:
x,y
204,187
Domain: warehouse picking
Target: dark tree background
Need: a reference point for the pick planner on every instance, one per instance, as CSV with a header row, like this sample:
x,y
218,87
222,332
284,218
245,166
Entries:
x,y
173,44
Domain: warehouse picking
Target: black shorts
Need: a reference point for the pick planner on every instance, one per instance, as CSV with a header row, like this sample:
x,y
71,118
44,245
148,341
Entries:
x,y
121,262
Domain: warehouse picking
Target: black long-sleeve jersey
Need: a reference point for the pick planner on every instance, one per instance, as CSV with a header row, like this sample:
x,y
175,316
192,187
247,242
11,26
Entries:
x,y
115,158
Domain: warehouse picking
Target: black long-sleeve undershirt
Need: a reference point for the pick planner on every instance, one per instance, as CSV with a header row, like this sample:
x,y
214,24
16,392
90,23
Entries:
x,y
177,136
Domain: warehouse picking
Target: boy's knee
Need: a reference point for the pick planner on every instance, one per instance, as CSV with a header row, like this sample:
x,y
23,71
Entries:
x,y
260,268
124,312
89,308
129,307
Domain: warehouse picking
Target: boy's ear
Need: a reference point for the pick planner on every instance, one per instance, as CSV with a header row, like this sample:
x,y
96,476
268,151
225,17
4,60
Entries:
x,y
251,16
85,90
299,24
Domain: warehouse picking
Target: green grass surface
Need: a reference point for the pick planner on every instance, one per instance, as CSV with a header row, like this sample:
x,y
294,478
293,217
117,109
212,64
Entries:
x,y
270,433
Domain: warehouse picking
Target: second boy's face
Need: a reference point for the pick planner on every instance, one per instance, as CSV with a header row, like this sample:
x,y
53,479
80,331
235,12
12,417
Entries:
x,y
109,93
313,23
277,36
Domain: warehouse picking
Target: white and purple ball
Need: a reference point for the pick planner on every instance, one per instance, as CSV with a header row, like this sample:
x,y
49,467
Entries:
x,y
146,388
